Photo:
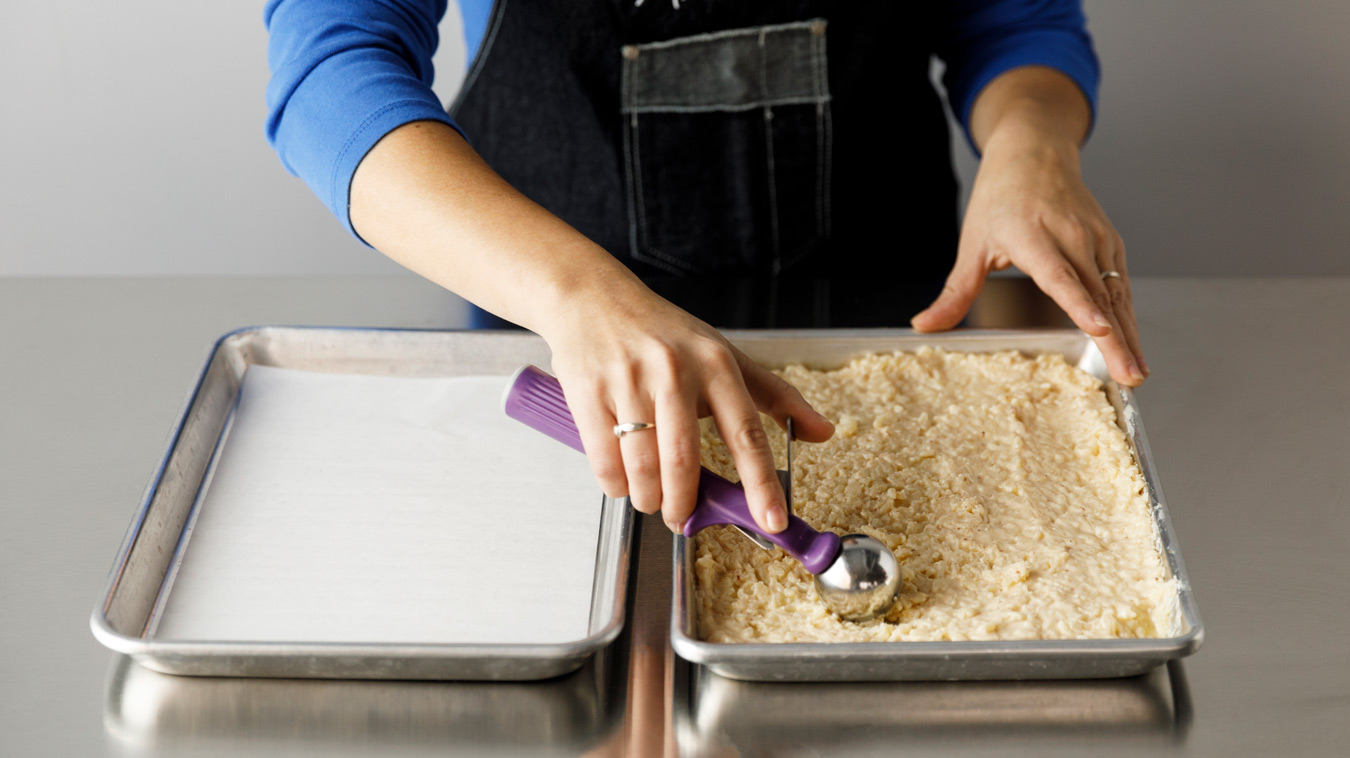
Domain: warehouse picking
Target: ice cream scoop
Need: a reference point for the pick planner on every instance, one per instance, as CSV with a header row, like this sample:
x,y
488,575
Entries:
x,y
856,576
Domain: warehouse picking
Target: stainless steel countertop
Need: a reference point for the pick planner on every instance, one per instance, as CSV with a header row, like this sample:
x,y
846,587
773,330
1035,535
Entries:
x,y
1245,413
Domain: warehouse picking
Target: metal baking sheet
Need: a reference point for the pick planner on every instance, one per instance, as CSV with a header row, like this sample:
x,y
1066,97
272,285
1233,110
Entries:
x,y
919,661
143,575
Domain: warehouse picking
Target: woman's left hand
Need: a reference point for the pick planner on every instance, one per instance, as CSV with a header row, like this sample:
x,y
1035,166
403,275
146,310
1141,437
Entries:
x,y
1029,208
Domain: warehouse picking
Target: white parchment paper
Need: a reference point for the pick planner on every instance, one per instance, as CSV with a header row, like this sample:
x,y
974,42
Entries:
x,y
382,509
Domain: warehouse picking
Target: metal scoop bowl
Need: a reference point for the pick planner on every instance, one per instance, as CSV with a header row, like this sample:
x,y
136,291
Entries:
x,y
863,582
856,576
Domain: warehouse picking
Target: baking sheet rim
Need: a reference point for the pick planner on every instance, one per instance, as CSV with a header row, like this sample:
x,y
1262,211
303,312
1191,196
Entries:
x,y
221,658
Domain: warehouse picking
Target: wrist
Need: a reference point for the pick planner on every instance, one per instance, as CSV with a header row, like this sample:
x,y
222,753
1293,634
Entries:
x,y
1033,137
1031,102
576,296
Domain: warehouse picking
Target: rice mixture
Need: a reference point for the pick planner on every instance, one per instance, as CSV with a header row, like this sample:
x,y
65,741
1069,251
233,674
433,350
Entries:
x,y
1002,484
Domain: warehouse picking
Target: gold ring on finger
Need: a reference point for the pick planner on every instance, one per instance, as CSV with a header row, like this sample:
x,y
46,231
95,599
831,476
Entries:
x,y
1111,275
632,426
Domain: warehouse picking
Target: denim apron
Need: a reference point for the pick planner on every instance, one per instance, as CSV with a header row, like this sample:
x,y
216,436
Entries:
x,y
761,164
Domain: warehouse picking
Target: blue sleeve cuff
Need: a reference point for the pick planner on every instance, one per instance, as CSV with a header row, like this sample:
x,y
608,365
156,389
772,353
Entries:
x,y
988,39
371,130
1078,65
344,76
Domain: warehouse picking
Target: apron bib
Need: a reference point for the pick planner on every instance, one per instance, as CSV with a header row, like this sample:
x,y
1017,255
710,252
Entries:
x,y
783,165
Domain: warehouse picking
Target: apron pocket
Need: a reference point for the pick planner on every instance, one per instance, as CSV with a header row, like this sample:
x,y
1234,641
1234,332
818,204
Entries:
x,y
727,149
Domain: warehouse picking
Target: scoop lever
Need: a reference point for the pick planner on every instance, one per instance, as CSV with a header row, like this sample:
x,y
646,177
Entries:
x,y
721,502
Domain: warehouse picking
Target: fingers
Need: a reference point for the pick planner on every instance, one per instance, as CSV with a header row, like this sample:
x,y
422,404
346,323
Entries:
x,y
1122,351
670,386
677,435
1123,302
962,287
1060,279
1091,250
596,422
1120,294
1075,284
737,419
1065,267
640,454
776,398
661,466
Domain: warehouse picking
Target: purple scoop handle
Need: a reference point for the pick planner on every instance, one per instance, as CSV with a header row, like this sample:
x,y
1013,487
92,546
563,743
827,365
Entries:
x,y
721,502
535,399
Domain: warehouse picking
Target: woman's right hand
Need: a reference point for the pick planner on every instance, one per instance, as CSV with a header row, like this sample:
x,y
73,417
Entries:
x,y
425,199
631,356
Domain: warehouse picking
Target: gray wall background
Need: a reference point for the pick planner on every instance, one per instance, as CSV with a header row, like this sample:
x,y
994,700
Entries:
x,y
132,141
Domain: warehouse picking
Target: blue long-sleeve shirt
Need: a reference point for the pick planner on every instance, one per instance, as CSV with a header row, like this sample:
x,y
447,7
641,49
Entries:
x,y
345,74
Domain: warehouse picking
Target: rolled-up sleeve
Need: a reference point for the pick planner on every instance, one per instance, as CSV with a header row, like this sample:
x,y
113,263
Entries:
x,y
345,74
984,38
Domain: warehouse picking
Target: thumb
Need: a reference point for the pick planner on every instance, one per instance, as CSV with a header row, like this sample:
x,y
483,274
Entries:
x,y
961,289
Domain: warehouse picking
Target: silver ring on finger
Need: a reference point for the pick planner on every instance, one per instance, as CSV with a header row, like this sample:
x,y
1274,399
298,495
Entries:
x,y
1111,275
632,426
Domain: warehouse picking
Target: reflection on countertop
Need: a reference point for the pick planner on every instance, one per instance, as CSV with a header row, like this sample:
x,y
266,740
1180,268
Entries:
x,y
633,699
722,716
160,714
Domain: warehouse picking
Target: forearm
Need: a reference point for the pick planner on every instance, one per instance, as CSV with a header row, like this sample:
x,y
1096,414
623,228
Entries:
x,y
424,198
1031,104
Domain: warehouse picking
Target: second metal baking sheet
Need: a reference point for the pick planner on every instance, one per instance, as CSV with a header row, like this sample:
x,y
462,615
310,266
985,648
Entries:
x,y
899,661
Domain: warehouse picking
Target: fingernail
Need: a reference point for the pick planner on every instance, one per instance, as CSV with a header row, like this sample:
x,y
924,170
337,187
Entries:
x,y
1143,365
1135,373
1100,320
676,527
823,417
777,519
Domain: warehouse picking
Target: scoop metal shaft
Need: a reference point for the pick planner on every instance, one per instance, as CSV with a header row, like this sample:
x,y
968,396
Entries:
x,y
856,576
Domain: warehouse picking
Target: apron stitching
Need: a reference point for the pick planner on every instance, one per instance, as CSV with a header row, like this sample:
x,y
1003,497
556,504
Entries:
x,y
640,228
820,86
820,141
828,192
637,208
823,81
634,186
713,36
728,107
655,256
773,192
768,149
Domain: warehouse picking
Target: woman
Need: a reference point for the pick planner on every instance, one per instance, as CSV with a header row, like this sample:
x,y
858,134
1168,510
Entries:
x,y
793,146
